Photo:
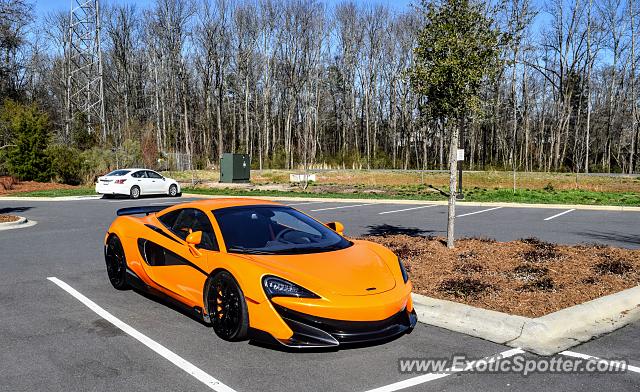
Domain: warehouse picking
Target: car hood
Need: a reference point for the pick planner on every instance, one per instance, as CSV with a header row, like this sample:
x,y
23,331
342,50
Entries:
x,y
356,270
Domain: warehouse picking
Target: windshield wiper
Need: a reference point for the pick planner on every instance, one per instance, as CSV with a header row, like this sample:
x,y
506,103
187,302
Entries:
x,y
249,251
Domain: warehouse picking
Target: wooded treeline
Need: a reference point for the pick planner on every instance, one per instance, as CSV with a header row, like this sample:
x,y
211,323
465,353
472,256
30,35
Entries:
x,y
296,82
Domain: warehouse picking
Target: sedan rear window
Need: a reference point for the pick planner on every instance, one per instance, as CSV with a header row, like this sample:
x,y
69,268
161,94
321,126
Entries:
x,y
119,173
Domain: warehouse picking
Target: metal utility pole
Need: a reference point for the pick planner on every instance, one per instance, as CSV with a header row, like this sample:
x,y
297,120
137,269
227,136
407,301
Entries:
x,y
83,56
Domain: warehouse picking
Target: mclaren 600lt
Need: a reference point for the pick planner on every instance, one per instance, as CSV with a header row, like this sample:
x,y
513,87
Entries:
x,y
262,270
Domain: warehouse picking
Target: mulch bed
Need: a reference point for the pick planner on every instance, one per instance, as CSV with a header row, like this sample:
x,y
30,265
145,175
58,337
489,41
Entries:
x,y
9,185
8,218
528,277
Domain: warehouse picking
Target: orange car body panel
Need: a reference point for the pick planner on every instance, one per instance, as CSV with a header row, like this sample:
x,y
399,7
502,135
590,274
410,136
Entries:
x,y
340,278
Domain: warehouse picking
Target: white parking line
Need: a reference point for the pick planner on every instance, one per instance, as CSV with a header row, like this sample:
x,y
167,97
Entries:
x,y
337,208
172,357
560,214
434,376
574,354
306,203
407,209
478,212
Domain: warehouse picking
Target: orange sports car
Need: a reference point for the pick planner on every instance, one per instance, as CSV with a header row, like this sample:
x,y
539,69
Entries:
x,y
262,270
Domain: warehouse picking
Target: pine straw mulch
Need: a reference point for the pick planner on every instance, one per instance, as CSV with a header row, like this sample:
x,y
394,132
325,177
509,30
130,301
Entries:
x,y
528,277
9,185
4,218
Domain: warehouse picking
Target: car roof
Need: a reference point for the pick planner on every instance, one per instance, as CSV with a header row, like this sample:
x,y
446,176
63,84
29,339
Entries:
x,y
222,202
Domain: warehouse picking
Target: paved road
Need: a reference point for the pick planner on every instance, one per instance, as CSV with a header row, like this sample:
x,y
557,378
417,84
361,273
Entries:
x,y
503,224
51,341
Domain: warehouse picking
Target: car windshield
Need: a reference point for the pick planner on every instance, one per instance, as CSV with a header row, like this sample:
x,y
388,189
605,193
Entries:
x,y
119,173
274,230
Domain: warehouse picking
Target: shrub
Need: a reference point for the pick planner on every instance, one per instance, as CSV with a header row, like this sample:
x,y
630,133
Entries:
x,y
130,154
96,162
28,160
81,136
66,164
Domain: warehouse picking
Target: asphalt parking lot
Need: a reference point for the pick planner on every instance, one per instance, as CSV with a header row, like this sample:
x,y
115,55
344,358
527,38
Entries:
x,y
55,342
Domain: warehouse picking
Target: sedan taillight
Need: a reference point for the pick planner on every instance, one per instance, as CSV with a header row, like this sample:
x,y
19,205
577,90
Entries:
x,y
120,181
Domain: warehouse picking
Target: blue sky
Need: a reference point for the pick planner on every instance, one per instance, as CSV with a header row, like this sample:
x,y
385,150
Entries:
x,y
45,6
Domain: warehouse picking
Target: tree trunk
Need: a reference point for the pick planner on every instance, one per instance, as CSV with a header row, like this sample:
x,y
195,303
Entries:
x,y
453,170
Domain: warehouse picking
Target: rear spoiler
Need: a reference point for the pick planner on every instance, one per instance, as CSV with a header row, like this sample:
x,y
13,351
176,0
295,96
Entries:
x,y
140,210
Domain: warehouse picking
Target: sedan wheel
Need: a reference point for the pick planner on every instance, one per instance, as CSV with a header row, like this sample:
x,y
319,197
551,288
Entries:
x,y
173,191
116,263
227,307
135,192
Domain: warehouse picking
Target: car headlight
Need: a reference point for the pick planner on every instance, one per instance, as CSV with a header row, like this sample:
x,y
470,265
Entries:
x,y
278,287
405,275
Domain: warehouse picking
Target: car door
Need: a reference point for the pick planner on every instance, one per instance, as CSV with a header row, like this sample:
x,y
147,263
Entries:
x,y
156,182
141,181
170,263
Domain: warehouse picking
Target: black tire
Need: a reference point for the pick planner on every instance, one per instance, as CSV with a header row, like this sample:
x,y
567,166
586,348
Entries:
x,y
227,307
134,193
173,190
116,263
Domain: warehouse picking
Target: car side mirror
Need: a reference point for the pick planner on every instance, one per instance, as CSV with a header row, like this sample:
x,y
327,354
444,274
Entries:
x,y
194,238
336,226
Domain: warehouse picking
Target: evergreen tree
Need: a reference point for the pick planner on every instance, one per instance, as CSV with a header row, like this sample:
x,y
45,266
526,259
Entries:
x,y
28,158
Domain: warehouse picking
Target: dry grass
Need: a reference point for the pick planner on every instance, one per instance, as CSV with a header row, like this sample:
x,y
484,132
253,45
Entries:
x,y
380,179
527,277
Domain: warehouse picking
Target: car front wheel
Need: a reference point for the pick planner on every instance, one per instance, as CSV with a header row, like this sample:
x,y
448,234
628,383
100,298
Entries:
x,y
173,190
227,307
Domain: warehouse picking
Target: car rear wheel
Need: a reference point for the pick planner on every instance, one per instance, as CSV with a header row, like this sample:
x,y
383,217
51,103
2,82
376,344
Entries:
x,y
116,263
173,190
227,307
134,192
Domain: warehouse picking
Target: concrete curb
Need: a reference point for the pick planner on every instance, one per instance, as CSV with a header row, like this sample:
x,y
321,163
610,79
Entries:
x,y
421,202
546,335
19,224
60,198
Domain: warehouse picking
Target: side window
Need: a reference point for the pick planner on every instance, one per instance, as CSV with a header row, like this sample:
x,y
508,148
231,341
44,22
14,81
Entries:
x,y
139,174
196,220
152,174
169,219
135,175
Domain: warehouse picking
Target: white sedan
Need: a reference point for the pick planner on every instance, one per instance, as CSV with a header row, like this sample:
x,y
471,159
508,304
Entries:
x,y
136,182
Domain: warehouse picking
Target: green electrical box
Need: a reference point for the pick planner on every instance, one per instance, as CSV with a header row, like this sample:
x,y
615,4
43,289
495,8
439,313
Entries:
x,y
235,168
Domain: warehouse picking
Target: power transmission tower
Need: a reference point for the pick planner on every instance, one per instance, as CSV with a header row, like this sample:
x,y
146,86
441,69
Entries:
x,y
85,89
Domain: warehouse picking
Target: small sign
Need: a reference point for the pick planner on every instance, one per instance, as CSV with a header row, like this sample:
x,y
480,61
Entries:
x,y
461,154
298,178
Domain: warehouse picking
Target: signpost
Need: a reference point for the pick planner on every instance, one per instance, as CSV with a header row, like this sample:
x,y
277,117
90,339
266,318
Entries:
x,y
460,195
